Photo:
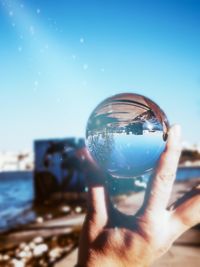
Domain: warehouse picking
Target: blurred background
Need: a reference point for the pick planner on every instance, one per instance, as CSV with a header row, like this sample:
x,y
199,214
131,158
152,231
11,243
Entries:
x,y
58,60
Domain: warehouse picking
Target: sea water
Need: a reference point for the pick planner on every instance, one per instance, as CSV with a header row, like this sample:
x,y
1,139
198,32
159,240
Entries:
x,y
16,196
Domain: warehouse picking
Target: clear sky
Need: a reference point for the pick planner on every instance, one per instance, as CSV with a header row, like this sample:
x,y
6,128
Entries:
x,y
59,59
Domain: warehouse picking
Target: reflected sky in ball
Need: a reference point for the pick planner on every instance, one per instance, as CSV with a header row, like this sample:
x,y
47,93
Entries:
x,y
126,135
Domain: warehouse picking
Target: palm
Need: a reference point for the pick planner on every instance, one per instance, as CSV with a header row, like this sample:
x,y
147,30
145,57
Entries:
x,y
124,233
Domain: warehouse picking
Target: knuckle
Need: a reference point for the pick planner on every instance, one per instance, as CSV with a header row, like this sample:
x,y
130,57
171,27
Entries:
x,y
163,249
176,150
166,177
173,151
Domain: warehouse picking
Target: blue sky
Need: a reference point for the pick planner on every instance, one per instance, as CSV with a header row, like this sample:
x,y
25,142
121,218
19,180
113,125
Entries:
x,y
59,59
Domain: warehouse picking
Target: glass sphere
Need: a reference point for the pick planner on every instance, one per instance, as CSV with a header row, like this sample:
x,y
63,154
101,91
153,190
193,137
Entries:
x,y
126,135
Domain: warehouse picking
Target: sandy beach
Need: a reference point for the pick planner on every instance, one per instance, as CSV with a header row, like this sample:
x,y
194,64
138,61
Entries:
x,y
53,240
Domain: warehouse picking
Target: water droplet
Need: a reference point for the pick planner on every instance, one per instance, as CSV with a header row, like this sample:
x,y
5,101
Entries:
x,y
83,157
36,83
82,40
85,66
19,48
86,189
32,30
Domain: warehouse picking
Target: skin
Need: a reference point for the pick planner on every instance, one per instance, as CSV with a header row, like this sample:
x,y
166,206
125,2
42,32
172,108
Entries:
x,y
111,238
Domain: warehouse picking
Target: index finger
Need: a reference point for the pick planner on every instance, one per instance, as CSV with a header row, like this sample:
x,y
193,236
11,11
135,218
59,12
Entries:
x,y
98,199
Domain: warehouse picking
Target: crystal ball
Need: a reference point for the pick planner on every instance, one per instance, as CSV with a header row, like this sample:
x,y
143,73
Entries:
x,y
126,134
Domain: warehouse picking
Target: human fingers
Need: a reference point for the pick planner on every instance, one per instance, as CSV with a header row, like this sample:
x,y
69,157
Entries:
x,y
97,197
160,186
186,211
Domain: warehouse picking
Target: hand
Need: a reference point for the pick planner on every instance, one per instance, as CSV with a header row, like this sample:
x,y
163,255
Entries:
x,y
113,239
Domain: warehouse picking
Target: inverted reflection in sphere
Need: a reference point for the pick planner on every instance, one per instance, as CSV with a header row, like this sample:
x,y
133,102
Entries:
x,y
126,135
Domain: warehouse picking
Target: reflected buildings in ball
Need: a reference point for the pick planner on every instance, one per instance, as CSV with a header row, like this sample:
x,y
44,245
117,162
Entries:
x,y
126,135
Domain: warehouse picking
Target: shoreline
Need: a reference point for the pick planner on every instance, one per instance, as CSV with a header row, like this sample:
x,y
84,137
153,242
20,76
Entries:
x,y
69,203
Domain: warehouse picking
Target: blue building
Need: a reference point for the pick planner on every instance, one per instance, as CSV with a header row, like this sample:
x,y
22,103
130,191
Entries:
x,y
58,169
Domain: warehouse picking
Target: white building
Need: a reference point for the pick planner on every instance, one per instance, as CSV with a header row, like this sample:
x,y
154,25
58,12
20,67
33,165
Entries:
x,y
16,161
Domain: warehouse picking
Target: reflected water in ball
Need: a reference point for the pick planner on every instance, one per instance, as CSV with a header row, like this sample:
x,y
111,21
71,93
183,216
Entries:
x,y
126,135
